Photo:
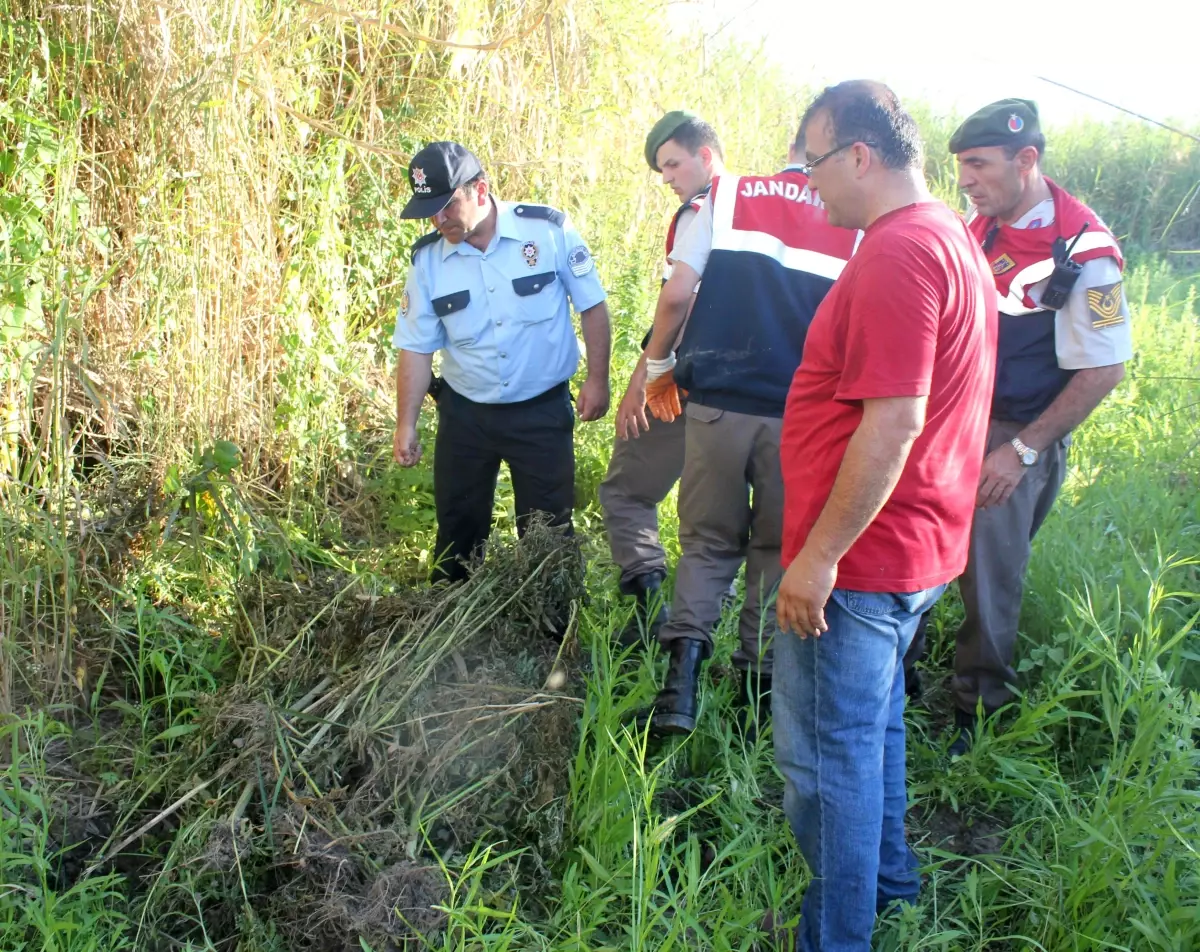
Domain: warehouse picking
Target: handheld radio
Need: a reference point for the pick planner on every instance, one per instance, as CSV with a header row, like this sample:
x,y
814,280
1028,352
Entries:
x,y
1065,274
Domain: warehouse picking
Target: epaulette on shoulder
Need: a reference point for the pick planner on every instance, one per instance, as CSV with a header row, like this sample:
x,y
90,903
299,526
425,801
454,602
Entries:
x,y
422,242
544,212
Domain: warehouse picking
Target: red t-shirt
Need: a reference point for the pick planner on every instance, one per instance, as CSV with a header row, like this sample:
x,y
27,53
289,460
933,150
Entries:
x,y
913,314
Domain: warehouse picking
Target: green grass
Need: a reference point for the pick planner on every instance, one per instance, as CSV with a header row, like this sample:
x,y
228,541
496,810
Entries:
x,y
1072,826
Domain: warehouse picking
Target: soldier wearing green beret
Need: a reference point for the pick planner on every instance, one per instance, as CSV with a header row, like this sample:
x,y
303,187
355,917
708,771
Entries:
x,y
647,456
1064,338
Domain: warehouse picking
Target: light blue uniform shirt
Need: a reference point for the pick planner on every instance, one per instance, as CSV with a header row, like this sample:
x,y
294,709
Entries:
x,y
501,317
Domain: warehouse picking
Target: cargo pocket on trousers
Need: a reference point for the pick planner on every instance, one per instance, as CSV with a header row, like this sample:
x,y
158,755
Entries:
x,y
694,411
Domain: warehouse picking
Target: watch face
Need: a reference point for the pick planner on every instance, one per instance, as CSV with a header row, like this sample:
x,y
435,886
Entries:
x,y
1029,457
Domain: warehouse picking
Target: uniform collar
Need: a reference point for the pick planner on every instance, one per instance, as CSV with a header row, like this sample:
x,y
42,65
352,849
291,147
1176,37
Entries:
x,y
507,223
506,227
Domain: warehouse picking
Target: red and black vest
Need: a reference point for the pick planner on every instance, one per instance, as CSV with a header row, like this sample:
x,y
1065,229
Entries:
x,y
694,204
774,257
1028,377
668,266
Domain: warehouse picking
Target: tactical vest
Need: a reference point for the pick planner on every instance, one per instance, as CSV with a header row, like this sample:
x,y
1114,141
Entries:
x,y
774,257
695,203
1028,376
668,264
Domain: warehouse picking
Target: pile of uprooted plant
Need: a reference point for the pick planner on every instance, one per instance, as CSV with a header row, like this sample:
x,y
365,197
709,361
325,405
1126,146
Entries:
x,y
360,744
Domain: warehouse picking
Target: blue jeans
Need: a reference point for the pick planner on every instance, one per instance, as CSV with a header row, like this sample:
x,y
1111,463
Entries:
x,y
838,709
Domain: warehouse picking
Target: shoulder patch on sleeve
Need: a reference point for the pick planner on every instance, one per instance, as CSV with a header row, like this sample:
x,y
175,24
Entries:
x,y
580,261
1105,305
544,212
422,242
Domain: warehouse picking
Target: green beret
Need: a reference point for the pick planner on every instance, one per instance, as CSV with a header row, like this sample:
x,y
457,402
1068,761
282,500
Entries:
x,y
662,131
1007,122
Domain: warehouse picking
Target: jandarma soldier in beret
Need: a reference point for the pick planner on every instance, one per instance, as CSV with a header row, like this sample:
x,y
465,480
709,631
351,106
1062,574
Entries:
x,y
1063,342
764,253
491,288
647,456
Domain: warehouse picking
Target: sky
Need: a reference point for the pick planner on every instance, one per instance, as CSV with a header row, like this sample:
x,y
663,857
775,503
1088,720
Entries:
x,y
959,56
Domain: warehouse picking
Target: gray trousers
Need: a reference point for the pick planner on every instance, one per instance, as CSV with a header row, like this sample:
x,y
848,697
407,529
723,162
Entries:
x,y
722,523
640,474
994,580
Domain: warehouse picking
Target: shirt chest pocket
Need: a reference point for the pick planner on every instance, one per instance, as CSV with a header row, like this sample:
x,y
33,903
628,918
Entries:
x,y
462,326
537,297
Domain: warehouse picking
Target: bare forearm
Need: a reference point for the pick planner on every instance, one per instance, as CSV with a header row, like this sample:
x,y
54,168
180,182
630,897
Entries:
x,y
413,374
597,340
673,309
687,316
638,377
1078,399
874,460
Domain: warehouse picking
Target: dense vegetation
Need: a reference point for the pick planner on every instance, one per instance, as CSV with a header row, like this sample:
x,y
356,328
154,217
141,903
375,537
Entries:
x,y
230,715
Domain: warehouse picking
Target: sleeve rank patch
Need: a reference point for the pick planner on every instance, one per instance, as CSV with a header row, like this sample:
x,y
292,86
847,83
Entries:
x,y
579,261
1104,305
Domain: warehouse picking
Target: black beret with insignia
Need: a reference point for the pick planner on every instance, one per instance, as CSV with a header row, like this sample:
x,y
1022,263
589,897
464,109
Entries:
x,y
1011,122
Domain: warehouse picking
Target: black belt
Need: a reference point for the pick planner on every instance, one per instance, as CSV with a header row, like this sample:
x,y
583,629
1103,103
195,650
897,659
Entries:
x,y
557,392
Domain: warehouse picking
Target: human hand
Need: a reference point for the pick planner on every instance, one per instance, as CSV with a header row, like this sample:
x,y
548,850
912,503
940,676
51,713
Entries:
x,y
1002,471
593,398
406,445
803,592
662,396
631,413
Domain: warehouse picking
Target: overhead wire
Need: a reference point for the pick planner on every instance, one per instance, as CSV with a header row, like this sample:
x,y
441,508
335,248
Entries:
x,y
1120,108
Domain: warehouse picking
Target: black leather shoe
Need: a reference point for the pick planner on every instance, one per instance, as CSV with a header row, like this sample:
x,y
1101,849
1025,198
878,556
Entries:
x,y
754,703
674,710
650,611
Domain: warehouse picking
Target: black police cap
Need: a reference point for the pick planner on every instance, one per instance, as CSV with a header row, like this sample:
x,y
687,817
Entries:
x,y
434,173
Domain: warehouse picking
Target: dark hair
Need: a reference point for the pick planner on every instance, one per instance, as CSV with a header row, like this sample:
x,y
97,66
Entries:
x,y
865,111
1037,140
695,132
481,176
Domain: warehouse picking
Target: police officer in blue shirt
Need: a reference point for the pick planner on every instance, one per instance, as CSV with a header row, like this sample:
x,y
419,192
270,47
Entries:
x,y
489,289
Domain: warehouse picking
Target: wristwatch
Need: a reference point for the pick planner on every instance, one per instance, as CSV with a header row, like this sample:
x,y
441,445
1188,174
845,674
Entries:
x,y
1028,457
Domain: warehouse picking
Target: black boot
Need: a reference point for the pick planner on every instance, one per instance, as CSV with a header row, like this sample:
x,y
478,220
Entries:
x,y
964,724
674,710
650,611
754,703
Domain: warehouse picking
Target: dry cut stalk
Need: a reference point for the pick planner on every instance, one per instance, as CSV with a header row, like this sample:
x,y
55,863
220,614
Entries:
x,y
157,819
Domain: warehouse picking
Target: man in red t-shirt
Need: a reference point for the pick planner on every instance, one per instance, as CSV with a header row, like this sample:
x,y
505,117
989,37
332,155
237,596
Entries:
x,y
882,444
